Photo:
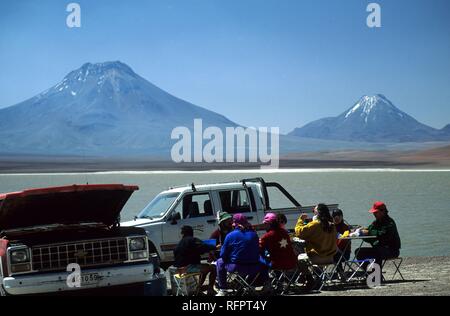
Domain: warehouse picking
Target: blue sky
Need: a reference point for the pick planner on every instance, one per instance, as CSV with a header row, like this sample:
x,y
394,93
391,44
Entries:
x,y
260,63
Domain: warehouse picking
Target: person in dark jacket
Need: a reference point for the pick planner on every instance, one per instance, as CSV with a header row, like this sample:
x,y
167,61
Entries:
x,y
343,245
188,257
341,227
387,244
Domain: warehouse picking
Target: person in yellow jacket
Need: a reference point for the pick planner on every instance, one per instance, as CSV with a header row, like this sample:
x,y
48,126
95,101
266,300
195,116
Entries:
x,y
319,235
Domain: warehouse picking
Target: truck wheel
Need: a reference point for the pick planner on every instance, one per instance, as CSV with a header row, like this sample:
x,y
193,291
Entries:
x,y
152,248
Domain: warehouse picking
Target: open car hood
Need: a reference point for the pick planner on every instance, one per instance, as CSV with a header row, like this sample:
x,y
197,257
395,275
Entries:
x,y
75,204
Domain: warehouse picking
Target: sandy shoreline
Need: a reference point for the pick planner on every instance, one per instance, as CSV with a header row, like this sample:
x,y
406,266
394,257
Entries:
x,y
11,166
232,171
437,158
423,276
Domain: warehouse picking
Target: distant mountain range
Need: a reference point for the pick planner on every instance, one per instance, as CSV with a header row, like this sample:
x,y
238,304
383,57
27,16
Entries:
x,y
106,109
372,119
100,109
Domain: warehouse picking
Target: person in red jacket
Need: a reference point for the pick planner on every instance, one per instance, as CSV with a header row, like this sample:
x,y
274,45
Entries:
x,y
278,245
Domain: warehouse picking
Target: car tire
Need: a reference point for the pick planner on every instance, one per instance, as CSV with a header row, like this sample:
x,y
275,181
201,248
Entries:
x,y
152,248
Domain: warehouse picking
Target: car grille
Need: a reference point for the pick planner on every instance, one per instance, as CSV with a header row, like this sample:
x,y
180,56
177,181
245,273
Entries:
x,y
88,253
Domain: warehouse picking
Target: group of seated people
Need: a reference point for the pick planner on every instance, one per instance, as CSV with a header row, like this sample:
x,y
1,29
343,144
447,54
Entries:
x,y
243,252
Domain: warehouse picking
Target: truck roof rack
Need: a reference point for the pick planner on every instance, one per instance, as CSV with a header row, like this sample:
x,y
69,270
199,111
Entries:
x,y
243,181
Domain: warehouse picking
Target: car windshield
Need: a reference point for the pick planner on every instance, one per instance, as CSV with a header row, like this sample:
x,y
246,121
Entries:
x,y
158,206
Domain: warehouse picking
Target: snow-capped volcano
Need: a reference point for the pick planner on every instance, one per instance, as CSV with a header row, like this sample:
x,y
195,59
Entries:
x,y
368,107
100,73
373,118
99,109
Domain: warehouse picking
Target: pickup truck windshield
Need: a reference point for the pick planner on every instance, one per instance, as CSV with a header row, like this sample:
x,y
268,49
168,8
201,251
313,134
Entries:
x,y
158,206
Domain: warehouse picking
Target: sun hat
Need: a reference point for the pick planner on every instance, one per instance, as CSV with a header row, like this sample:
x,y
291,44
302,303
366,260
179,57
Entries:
x,y
224,216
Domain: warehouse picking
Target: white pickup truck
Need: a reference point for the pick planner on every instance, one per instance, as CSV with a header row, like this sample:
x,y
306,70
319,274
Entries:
x,y
198,206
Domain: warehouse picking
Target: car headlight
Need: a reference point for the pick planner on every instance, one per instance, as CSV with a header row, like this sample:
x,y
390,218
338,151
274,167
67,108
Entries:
x,y
19,256
137,244
20,260
139,255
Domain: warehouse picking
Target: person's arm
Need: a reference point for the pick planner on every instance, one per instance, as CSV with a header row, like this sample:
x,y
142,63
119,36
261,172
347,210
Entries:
x,y
224,251
202,247
263,243
299,225
176,255
175,252
215,234
380,232
340,243
303,231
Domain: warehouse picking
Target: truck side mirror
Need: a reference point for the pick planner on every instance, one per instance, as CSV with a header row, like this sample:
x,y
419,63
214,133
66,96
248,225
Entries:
x,y
174,218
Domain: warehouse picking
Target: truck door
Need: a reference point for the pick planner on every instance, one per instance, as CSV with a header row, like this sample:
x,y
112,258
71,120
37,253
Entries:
x,y
236,200
281,203
277,200
195,210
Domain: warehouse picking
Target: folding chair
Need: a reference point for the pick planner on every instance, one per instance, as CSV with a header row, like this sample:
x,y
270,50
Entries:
x,y
396,262
325,273
356,269
187,284
311,274
283,280
341,264
242,284
184,283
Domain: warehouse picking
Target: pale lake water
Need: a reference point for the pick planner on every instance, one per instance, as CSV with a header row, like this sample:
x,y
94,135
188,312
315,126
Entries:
x,y
419,201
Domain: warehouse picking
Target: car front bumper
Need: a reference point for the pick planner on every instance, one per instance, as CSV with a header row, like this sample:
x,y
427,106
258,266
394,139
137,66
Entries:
x,y
57,281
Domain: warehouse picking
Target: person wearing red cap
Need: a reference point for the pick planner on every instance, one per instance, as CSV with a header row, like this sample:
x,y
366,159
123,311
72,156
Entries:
x,y
387,244
278,244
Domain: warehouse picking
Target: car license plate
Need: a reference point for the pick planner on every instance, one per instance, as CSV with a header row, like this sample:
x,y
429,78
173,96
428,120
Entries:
x,y
90,278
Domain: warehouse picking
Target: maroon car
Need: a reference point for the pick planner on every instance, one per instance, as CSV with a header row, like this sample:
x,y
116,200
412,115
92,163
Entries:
x,y
69,238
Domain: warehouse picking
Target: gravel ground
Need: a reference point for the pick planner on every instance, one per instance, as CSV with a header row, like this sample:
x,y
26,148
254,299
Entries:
x,y
423,276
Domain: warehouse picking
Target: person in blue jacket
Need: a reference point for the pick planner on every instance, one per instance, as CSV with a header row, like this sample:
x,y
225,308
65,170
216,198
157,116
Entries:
x,y
240,253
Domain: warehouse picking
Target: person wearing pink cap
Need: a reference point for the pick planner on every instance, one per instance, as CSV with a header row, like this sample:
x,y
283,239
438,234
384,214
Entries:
x,y
387,244
278,245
